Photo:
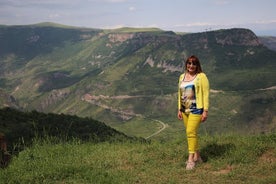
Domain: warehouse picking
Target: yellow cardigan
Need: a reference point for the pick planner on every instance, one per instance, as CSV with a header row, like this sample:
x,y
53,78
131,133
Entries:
x,y
201,91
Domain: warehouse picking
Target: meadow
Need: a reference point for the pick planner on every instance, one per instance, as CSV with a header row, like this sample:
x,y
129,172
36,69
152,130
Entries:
x,y
227,159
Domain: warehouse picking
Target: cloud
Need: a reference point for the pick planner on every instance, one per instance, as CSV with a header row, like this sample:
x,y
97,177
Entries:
x,y
208,24
52,16
221,2
116,1
131,8
265,22
20,3
195,24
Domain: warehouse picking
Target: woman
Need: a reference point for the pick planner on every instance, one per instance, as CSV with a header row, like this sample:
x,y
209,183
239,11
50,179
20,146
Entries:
x,y
193,104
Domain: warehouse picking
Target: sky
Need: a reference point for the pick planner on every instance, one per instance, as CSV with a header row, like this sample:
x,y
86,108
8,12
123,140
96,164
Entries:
x,y
168,15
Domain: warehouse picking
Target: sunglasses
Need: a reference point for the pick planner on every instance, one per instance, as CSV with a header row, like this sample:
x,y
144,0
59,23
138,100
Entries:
x,y
191,63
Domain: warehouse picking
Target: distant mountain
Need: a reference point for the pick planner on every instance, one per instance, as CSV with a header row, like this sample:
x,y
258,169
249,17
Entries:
x,y
269,42
120,76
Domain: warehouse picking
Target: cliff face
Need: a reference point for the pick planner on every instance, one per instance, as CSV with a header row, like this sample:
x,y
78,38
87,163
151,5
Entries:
x,y
239,37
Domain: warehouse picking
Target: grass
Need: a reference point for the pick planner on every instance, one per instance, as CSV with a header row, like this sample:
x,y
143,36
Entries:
x,y
138,128
228,159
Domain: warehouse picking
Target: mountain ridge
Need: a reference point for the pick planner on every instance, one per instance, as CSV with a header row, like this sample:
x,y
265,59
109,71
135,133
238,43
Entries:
x,y
51,69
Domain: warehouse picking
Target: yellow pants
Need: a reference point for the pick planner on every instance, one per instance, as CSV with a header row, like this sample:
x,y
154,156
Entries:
x,y
191,123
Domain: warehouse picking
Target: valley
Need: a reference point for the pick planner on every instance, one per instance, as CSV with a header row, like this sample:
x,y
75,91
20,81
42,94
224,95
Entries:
x,y
128,78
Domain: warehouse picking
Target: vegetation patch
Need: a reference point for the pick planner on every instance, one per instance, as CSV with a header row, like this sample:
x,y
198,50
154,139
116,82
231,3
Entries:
x,y
227,159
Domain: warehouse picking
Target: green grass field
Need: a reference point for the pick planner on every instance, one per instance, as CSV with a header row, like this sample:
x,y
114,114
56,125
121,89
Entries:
x,y
227,159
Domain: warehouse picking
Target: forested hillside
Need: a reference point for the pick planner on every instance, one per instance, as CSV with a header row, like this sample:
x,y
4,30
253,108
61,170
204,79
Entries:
x,y
21,128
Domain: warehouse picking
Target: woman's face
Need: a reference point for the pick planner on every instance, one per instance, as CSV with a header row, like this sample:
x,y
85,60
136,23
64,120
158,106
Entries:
x,y
191,67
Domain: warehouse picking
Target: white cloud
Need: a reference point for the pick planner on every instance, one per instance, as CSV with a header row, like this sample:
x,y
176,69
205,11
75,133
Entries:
x,y
131,8
265,21
195,24
33,2
221,2
116,1
52,16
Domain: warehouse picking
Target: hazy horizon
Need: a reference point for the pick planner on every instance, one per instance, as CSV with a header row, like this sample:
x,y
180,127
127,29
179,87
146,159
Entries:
x,y
170,15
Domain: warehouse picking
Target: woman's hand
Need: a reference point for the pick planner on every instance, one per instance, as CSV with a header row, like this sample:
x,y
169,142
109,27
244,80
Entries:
x,y
204,116
179,115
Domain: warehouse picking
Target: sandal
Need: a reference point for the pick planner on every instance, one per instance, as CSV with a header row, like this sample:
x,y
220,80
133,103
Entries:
x,y
199,161
190,165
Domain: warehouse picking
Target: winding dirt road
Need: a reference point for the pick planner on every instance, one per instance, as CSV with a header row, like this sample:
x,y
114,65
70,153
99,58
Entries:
x,y
164,126
124,113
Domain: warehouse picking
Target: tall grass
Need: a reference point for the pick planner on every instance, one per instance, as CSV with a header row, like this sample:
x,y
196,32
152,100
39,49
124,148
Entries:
x,y
227,159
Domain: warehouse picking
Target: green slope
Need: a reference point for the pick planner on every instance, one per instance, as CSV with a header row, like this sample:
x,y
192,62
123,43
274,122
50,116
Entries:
x,y
86,72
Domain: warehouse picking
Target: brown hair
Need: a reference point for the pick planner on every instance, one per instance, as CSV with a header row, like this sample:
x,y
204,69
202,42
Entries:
x,y
195,60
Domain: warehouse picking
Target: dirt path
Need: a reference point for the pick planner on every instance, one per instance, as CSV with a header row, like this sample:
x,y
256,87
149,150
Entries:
x,y
126,114
164,126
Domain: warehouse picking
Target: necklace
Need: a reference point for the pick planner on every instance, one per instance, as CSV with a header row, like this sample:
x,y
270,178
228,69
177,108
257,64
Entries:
x,y
189,77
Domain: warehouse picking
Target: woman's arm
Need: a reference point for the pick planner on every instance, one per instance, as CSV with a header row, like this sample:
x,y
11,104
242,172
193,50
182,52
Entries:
x,y
179,113
205,90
